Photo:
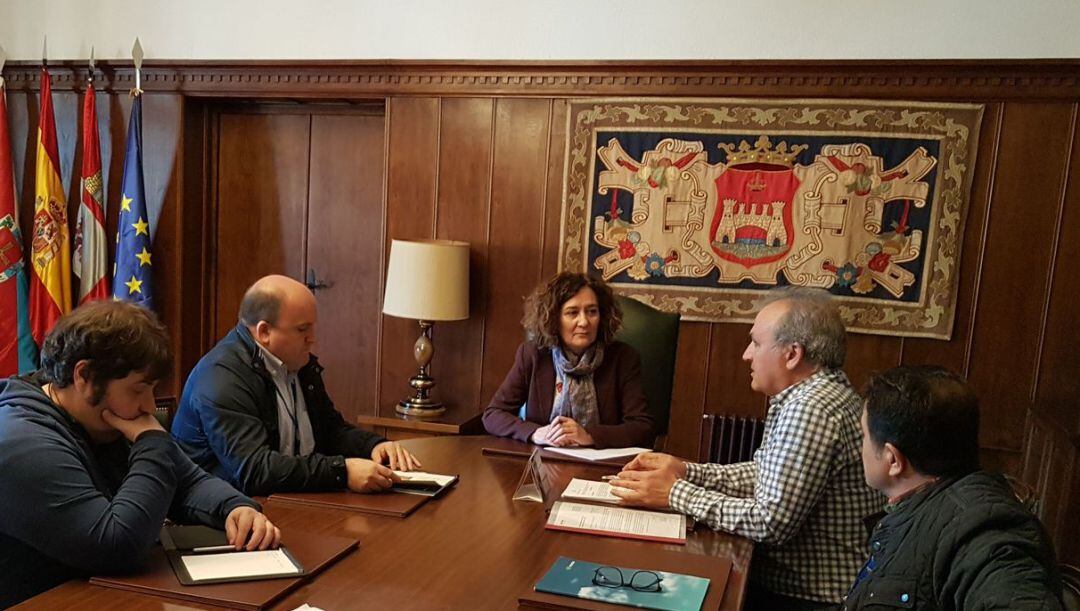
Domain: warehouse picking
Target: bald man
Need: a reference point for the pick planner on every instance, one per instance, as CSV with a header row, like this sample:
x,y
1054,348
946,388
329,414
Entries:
x,y
255,411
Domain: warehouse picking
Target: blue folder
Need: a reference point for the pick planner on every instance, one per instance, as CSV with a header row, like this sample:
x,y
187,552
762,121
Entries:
x,y
570,577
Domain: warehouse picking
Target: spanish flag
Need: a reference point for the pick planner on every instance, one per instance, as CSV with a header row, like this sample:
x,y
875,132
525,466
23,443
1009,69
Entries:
x,y
50,286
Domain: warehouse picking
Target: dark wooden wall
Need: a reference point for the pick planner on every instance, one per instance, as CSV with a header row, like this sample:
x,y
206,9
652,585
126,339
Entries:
x,y
475,152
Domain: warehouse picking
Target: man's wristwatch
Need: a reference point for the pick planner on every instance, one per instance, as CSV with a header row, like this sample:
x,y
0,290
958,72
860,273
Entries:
x,y
337,467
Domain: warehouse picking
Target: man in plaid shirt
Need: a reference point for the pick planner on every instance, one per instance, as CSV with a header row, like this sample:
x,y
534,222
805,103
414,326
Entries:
x,y
803,497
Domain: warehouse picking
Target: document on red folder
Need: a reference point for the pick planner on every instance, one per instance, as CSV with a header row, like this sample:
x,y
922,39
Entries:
x,y
618,522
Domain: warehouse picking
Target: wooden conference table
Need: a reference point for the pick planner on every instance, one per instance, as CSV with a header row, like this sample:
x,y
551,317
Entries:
x,y
473,548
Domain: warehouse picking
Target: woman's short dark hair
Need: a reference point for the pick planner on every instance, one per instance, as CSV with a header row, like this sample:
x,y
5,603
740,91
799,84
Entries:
x,y
115,337
543,308
929,414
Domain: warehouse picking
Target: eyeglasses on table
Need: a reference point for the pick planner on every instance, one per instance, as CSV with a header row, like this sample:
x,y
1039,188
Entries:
x,y
613,577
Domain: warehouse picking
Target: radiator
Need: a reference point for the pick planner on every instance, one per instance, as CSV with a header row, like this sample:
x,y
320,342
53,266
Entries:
x,y
727,439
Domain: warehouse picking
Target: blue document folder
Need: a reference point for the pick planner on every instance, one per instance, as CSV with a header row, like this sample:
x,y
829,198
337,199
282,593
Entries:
x,y
678,592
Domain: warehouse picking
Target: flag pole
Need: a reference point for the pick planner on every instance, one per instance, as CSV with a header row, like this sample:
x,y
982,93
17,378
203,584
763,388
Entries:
x,y
137,57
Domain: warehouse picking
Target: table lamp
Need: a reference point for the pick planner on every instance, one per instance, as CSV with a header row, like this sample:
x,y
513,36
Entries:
x,y
426,281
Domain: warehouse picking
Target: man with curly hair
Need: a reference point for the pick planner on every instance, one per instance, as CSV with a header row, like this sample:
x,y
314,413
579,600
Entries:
x,y
87,474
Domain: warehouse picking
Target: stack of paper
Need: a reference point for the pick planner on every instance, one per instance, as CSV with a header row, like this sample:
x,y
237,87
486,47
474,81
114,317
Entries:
x,y
618,522
239,565
588,490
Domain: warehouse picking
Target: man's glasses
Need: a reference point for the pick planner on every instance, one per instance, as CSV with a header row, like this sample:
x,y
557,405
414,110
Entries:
x,y
640,581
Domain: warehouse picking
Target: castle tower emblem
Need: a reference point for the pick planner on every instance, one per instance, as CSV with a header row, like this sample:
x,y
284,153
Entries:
x,y
752,224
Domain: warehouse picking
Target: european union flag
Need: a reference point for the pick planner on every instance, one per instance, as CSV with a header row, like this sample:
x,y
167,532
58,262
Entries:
x,y
132,270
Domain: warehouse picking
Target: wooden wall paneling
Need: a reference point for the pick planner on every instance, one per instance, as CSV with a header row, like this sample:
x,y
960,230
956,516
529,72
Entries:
x,y
556,171
1058,389
1035,142
465,147
688,393
344,250
195,216
412,172
519,176
262,188
868,355
727,385
963,80
954,353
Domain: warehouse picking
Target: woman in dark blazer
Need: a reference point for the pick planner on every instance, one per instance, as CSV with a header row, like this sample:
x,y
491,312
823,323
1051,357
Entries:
x,y
579,386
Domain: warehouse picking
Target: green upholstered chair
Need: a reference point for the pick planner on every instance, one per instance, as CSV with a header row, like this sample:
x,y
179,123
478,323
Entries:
x,y
655,335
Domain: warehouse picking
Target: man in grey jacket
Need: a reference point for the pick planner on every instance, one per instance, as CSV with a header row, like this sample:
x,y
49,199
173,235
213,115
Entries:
x,y
953,536
87,475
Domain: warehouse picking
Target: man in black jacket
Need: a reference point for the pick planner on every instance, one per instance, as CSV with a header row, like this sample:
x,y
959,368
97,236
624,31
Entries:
x,y
87,475
255,411
953,536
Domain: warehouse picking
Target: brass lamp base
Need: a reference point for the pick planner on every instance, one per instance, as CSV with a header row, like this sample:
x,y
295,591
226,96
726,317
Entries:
x,y
421,405
429,410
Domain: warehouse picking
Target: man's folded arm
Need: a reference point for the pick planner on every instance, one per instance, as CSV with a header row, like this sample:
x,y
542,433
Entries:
x,y
202,498
49,501
791,475
733,480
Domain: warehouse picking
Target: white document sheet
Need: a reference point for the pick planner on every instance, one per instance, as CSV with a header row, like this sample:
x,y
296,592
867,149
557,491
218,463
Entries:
x,y
618,520
589,490
410,476
594,454
238,564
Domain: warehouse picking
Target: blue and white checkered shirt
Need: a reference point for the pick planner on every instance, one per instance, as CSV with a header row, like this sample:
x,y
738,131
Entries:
x,y
803,497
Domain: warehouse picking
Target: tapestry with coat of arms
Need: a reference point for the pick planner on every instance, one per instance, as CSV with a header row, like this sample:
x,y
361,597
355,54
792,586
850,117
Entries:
x,y
699,206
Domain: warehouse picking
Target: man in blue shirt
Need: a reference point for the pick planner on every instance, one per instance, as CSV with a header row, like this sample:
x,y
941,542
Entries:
x,y
256,413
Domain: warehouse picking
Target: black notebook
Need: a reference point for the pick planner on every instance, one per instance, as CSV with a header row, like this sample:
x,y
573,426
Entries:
x,y
425,484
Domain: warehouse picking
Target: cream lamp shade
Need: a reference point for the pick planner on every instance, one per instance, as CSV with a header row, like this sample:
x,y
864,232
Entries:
x,y
428,280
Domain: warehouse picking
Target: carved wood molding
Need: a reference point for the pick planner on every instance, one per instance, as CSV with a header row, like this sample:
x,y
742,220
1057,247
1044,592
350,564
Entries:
x,y
968,80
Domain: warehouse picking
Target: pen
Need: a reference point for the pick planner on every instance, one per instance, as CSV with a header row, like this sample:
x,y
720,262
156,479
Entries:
x,y
607,478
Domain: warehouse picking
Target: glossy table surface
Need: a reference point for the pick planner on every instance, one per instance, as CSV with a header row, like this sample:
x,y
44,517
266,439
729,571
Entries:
x,y
473,548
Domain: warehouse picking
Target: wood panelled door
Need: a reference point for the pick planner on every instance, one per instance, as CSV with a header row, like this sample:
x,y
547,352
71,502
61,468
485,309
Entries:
x,y
298,190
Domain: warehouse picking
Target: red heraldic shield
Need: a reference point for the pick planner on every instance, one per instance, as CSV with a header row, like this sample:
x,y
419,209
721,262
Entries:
x,y
752,224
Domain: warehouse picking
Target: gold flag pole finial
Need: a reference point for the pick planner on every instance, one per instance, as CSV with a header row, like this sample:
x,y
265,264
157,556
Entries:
x,y
91,79
44,50
137,56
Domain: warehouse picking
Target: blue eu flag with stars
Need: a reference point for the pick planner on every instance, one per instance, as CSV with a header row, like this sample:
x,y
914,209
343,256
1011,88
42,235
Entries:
x,y
133,268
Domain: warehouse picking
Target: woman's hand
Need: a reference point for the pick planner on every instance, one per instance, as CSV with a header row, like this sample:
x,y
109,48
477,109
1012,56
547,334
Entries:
x,y
572,433
562,432
542,435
